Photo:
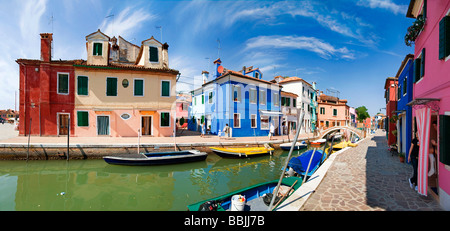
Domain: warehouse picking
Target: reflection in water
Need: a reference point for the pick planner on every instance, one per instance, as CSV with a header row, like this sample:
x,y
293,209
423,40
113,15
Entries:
x,y
95,185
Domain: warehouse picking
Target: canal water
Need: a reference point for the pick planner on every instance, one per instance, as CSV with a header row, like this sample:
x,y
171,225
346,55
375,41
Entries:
x,y
85,185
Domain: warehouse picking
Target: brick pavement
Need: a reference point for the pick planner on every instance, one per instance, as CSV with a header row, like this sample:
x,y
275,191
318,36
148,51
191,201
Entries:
x,y
368,178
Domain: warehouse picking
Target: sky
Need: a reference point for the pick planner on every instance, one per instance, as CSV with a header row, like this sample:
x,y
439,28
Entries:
x,y
348,47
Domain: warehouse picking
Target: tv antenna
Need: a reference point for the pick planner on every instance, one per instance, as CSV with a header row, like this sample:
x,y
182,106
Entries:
x,y
160,30
218,48
333,92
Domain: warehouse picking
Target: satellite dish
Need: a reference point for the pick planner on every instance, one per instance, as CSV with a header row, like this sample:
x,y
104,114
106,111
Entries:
x,y
220,69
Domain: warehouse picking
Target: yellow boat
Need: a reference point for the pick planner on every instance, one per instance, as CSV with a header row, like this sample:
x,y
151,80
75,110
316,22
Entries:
x,y
340,146
242,152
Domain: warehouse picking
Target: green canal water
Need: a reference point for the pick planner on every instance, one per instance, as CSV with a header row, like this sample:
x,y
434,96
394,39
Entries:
x,y
94,185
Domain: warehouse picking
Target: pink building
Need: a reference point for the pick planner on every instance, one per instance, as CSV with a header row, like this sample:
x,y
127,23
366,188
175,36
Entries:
x,y
431,92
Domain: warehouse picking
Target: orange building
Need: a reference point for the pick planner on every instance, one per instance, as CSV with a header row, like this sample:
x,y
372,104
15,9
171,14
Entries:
x,y
332,111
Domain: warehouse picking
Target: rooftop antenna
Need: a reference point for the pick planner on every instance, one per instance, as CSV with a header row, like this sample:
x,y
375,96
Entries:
x,y
112,26
52,19
218,48
160,30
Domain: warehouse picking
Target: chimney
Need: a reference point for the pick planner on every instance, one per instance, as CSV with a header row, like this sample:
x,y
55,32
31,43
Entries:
x,y
46,47
205,76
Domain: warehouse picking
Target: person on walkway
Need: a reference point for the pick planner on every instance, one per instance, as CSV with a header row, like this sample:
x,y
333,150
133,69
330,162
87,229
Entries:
x,y
413,158
271,131
226,131
203,130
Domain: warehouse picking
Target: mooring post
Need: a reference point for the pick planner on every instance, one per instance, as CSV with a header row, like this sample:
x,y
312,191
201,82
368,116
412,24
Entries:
x,y
68,137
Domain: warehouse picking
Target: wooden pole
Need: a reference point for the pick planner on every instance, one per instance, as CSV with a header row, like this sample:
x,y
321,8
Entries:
x,y
309,164
29,134
68,137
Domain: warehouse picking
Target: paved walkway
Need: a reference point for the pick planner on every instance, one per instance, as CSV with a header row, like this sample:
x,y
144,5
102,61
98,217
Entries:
x,y
368,178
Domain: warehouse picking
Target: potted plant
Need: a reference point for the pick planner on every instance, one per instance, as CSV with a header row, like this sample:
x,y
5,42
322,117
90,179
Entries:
x,y
401,156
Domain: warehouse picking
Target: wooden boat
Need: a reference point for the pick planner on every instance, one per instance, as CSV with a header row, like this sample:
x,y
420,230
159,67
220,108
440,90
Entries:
x,y
298,145
242,152
317,143
336,147
300,163
254,196
157,158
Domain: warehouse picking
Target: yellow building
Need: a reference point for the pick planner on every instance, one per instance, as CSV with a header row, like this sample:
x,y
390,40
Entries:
x,y
119,91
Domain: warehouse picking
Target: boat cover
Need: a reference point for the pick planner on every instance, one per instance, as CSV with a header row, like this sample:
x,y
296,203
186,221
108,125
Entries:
x,y
300,163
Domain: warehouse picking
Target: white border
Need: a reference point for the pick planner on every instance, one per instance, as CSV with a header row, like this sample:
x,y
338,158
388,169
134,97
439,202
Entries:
x,y
170,87
76,85
143,87
106,87
57,83
109,123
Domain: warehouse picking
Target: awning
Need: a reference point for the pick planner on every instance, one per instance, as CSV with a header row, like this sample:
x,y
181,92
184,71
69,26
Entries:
x,y
271,113
418,103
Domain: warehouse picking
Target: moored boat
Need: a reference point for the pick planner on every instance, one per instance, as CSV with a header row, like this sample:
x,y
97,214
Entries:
x,y
300,163
242,152
297,146
317,143
255,196
157,158
336,147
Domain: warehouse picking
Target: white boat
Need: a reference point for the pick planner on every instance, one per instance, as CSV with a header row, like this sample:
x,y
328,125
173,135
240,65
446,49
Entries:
x,y
298,145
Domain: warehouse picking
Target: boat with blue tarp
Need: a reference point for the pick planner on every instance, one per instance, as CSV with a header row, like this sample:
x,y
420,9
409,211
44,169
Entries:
x,y
300,163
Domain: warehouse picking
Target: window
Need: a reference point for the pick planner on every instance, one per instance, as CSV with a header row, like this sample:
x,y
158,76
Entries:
x,y
165,88
82,118
210,97
165,119
276,99
264,122
253,120
444,139
419,66
236,93
444,37
327,123
203,99
288,102
138,87
334,112
262,97
322,111
404,85
294,102
283,101
82,85
98,48
252,95
399,92
153,53
63,83
237,120
111,86
257,75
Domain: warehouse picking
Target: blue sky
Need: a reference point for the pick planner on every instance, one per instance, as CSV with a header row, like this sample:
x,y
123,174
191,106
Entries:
x,y
346,45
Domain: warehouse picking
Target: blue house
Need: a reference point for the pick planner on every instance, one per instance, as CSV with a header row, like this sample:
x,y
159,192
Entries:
x,y
404,112
243,100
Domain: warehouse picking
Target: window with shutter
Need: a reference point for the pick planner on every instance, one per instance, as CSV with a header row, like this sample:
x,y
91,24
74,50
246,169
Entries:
x,y
82,118
111,86
422,63
165,88
444,139
138,87
63,83
404,86
82,85
98,47
417,65
444,37
153,54
165,119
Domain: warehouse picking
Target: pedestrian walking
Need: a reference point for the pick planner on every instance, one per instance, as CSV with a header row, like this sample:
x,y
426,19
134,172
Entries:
x,y
203,130
226,131
413,158
271,131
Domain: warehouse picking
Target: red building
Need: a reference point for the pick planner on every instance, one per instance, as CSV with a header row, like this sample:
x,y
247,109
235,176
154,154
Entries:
x,y
46,93
390,87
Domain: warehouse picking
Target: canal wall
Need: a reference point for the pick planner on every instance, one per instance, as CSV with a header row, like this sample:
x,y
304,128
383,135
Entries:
x,y
48,151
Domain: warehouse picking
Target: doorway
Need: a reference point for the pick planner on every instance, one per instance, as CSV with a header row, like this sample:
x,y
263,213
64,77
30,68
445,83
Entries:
x,y
146,125
433,182
102,125
63,121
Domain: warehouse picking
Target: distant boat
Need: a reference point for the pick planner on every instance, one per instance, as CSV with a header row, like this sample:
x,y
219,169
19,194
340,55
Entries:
x,y
255,197
157,158
242,152
298,145
300,163
317,143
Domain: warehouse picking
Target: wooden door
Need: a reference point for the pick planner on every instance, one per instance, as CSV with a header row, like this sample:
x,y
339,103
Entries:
x,y
63,124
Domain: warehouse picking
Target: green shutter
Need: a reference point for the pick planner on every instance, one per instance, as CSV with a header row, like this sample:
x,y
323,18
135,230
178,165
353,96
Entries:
x,y
422,63
63,83
444,139
444,37
153,54
82,118
283,101
111,86
203,99
165,88
82,85
416,70
98,49
288,102
138,87
165,119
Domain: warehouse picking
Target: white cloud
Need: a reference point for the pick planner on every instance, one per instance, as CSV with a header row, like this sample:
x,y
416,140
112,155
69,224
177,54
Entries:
x,y
384,4
323,49
30,17
127,22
